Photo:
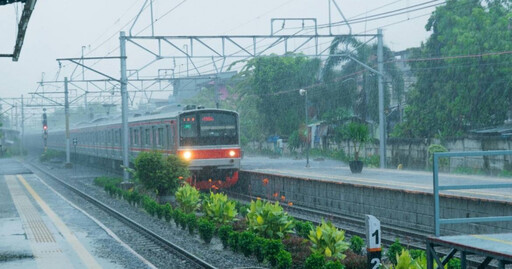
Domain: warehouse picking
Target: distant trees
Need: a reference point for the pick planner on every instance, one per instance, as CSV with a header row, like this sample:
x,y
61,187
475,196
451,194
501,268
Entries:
x,y
465,83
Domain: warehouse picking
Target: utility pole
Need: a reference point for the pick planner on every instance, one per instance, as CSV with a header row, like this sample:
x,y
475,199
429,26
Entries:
x,y
305,93
66,111
124,106
382,132
22,126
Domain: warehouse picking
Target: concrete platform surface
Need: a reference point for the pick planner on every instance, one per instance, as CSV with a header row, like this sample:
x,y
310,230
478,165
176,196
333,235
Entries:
x,y
492,244
41,229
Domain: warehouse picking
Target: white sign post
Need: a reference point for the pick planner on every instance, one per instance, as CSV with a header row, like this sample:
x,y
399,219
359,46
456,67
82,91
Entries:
x,y
373,241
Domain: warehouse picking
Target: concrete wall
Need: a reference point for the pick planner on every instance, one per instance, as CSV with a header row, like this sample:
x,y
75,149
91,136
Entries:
x,y
393,207
413,153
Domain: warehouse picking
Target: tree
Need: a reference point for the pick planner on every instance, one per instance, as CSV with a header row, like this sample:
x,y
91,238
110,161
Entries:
x,y
158,173
265,93
343,75
456,94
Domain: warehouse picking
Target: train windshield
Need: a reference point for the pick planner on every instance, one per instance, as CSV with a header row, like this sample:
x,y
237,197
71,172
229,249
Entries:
x,y
208,128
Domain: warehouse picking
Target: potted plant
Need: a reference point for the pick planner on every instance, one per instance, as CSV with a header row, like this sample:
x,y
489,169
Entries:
x,y
358,134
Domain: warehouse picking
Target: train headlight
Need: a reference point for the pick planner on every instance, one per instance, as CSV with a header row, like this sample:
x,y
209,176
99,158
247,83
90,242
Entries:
x,y
232,153
187,155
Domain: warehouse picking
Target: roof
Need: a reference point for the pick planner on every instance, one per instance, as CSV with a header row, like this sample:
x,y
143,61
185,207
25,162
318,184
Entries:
x,y
6,2
504,130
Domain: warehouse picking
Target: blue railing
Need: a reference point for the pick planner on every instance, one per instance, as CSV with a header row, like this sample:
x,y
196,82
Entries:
x,y
437,188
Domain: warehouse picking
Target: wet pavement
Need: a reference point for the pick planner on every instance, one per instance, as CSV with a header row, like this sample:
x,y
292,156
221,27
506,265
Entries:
x,y
41,229
332,170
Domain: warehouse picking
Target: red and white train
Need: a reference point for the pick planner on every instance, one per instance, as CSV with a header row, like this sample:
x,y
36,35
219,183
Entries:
x,y
209,139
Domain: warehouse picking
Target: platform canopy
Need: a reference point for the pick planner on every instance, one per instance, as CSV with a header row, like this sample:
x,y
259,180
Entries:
x,y
5,2
22,25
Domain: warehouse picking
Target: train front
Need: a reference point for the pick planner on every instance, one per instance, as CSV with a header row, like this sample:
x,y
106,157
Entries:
x,y
209,139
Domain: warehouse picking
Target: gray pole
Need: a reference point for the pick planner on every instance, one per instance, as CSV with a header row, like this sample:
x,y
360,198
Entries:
x,y
307,130
22,126
382,134
124,105
66,111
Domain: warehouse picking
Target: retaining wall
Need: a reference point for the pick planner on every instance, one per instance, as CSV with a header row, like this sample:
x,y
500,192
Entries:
x,y
408,209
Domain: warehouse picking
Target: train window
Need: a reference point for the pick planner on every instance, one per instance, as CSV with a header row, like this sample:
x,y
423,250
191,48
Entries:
x,y
147,136
160,138
136,137
120,136
154,141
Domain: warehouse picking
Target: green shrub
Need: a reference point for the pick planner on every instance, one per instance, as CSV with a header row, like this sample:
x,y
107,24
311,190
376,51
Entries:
x,y
158,173
394,250
168,212
259,248
327,240
160,211
103,181
437,148
356,244
206,229
178,215
272,250
191,222
283,260
334,265
269,220
302,228
188,198
150,206
219,209
233,239
223,233
405,261
417,253
246,243
315,261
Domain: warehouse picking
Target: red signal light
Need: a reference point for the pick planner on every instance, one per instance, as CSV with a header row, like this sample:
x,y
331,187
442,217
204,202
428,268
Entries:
x,y
45,127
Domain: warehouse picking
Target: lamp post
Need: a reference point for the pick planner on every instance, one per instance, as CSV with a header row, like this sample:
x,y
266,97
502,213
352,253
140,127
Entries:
x,y
305,93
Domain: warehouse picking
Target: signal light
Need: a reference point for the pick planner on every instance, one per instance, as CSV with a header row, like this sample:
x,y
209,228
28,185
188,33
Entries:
x,y
45,127
187,155
232,153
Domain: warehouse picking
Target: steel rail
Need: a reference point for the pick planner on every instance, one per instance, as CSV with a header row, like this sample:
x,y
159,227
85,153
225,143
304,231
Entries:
x,y
133,224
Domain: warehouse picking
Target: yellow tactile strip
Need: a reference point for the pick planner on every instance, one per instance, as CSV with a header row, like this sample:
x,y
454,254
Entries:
x,y
88,260
36,229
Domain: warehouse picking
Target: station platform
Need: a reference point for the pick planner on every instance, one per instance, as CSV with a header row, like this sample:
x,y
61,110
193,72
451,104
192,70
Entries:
x,y
41,229
489,247
337,171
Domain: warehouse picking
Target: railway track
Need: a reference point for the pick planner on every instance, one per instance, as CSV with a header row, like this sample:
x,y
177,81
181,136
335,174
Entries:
x,y
148,238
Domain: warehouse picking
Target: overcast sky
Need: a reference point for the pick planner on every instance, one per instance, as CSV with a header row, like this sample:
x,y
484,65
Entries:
x,y
59,28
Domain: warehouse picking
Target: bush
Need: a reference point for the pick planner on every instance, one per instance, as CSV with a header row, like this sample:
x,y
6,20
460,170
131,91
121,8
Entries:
x,y
219,209
191,222
300,249
393,250
354,261
178,215
259,248
315,261
168,212
158,173
284,259
246,243
233,239
269,220
206,229
356,244
188,198
160,211
103,181
334,265
223,233
302,228
327,240
272,250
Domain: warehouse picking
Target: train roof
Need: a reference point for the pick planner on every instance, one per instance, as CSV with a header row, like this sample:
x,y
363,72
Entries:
x,y
151,117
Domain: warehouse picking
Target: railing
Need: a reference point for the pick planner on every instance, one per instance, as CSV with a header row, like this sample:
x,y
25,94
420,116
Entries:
x,y
437,188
